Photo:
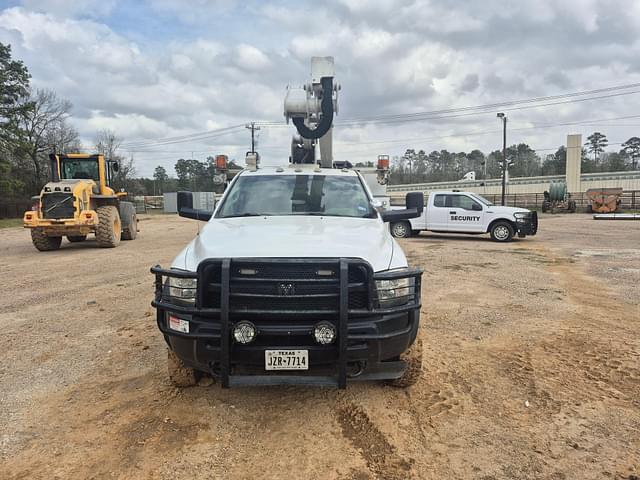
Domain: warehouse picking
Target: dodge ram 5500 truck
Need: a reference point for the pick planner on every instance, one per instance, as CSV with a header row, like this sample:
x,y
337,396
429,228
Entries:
x,y
294,279
465,212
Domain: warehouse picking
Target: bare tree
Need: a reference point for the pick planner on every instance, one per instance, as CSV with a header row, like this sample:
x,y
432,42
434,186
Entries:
x,y
108,144
63,138
48,113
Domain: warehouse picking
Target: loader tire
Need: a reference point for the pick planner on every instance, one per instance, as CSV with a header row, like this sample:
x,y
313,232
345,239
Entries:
x,y
109,227
44,243
76,238
180,375
129,221
413,359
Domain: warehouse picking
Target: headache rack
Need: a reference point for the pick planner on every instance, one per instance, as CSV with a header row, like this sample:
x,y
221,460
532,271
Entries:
x,y
275,290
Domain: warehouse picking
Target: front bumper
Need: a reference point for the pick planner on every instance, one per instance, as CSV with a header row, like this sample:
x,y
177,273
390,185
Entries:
x,y
81,224
368,345
527,224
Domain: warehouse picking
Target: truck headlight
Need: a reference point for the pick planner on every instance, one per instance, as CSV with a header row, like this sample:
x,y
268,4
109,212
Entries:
x,y
395,292
183,290
521,215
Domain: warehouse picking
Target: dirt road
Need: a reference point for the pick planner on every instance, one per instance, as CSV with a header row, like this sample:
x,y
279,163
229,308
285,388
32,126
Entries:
x,y
532,370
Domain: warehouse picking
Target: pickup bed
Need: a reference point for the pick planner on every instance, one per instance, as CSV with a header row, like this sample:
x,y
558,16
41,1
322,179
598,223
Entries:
x,y
466,212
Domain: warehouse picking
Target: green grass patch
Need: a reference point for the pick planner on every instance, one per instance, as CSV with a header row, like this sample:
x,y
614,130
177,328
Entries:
x,y
10,222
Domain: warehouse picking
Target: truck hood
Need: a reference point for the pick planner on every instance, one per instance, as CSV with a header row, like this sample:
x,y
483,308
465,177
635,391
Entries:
x,y
293,237
507,211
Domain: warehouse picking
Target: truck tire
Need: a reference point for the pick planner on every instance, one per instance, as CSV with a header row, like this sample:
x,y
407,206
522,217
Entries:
x,y
502,231
76,238
401,229
109,228
129,221
180,375
413,359
44,243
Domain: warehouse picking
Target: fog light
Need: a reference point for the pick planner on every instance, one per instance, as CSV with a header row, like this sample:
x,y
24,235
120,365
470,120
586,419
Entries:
x,y
244,332
324,333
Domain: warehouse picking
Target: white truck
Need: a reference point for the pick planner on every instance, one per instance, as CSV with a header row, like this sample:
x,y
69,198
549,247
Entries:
x,y
295,278
466,212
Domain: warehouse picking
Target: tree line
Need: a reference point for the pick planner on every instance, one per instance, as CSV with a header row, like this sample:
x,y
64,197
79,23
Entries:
x,y
442,166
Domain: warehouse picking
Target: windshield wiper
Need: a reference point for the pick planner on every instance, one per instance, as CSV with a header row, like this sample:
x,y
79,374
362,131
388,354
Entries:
x,y
246,214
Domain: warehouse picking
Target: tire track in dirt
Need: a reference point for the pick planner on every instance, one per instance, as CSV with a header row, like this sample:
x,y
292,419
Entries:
x,y
604,367
381,457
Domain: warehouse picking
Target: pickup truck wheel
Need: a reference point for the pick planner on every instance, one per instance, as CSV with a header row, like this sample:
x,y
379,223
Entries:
x,y
401,229
76,238
502,231
413,359
180,375
44,243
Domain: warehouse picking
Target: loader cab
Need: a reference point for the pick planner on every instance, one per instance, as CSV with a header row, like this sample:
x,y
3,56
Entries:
x,y
82,166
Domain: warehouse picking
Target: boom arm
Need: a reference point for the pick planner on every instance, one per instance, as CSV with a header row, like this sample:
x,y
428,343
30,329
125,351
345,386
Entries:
x,y
311,110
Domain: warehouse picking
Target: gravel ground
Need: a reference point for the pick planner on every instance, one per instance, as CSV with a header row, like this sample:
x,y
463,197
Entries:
x,y
532,370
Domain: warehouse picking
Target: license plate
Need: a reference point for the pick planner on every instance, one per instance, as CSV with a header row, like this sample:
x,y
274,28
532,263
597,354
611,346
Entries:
x,y
286,359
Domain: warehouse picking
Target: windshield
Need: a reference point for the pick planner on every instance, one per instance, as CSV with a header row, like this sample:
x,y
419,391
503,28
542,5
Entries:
x,y
328,195
482,199
73,168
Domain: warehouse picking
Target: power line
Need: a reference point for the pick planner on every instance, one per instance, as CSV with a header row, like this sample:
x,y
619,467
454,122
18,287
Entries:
x,y
471,110
566,98
512,102
483,132
403,118
184,138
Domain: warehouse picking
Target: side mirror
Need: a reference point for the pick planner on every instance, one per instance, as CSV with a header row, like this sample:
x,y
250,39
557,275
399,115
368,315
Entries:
x,y
115,167
185,208
415,200
415,207
476,207
185,200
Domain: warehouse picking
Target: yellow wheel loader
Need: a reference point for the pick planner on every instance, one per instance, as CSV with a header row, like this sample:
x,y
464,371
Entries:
x,y
78,201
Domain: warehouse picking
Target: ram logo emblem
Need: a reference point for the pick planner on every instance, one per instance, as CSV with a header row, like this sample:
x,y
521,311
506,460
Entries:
x,y
286,289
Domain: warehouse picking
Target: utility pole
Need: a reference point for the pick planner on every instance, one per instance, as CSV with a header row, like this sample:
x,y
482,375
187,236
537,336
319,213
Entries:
x,y
504,153
252,126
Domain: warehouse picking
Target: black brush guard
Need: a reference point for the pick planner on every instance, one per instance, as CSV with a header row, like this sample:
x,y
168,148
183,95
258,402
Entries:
x,y
527,224
218,303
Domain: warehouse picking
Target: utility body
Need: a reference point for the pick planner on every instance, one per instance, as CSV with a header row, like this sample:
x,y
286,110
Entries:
x,y
466,212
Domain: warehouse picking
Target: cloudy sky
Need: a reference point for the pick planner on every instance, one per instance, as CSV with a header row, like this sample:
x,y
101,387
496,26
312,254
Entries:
x,y
155,69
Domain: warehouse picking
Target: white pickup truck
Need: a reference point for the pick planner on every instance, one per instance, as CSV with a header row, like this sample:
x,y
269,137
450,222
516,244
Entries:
x,y
466,212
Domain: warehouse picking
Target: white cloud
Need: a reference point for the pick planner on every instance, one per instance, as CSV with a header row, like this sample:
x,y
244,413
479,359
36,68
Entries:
x,y
392,56
193,11
250,58
90,8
